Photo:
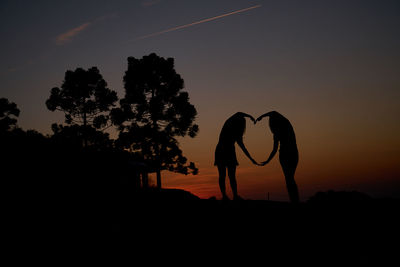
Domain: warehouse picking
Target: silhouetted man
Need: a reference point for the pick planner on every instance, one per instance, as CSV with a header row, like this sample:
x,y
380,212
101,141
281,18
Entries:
x,y
288,155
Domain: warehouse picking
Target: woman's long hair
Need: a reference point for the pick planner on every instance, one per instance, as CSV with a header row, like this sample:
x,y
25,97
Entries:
x,y
237,126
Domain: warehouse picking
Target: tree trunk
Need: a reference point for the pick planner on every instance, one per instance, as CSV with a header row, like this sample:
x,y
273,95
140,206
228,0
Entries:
x,y
159,179
158,162
145,180
157,144
84,130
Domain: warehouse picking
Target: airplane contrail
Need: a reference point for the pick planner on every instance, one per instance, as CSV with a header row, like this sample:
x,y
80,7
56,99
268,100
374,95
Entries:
x,y
197,22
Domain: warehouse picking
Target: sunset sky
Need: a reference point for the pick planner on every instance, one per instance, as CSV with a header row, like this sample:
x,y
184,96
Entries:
x,y
331,67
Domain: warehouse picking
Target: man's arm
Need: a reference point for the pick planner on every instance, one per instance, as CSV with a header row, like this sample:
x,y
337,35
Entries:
x,y
274,150
243,147
265,115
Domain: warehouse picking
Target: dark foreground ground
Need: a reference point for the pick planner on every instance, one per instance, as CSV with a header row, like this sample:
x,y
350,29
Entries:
x,y
262,232
175,227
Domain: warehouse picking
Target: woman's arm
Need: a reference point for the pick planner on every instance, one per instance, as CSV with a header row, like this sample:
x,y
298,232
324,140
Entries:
x,y
247,115
243,147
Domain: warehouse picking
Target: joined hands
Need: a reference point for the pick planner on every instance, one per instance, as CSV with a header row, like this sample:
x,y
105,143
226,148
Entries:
x,y
259,164
256,120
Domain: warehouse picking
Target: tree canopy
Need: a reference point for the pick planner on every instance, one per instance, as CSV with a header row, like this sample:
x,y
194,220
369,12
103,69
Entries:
x,y
84,98
8,114
86,102
154,112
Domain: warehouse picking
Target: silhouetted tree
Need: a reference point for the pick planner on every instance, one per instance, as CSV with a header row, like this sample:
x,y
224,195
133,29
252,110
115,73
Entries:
x,y
8,114
72,135
154,112
84,98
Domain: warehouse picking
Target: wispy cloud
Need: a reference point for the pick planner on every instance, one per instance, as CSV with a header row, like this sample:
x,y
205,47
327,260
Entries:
x,y
197,22
70,34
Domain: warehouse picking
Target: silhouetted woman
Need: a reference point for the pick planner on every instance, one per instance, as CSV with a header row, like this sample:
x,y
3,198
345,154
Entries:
x,y
288,155
225,155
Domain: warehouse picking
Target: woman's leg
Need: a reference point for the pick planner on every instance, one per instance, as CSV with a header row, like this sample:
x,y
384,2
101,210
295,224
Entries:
x,y
222,175
232,180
